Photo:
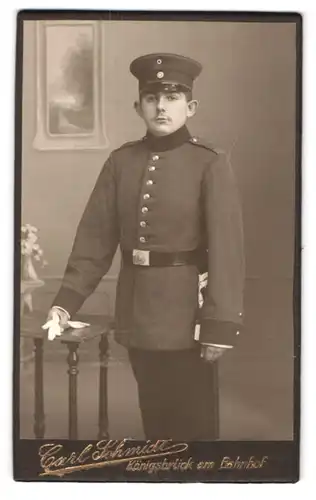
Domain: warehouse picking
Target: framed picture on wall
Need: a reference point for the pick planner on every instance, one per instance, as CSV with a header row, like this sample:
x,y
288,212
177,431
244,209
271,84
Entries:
x,y
69,86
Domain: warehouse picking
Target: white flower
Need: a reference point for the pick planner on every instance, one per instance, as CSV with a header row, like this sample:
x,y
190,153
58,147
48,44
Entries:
x,y
32,238
29,245
31,229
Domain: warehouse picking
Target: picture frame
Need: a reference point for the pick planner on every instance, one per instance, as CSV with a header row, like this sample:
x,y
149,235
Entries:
x,y
70,94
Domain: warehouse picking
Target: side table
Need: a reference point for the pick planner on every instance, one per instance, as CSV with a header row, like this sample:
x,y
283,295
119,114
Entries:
x,y
31,328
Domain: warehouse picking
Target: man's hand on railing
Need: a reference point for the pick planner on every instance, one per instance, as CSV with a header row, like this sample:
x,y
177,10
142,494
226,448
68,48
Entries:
x,y
58,319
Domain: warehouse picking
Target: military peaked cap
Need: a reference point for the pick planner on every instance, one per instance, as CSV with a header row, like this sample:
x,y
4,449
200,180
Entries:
x,y
168,71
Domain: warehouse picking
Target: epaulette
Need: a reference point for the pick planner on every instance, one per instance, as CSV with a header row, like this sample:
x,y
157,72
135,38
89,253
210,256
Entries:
x,y
128,144
204,144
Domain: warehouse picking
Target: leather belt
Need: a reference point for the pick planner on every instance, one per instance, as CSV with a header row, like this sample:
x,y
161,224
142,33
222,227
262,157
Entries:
x,y
160,259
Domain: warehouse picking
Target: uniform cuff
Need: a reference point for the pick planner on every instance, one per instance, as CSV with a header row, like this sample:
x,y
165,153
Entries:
x,y
218,345
219,332
68,299
62,309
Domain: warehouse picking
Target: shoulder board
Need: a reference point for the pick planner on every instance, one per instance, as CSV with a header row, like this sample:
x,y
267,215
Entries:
x,y
197,141
130,143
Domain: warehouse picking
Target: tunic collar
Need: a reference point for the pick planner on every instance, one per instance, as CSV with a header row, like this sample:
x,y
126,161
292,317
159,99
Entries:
x,y
167,142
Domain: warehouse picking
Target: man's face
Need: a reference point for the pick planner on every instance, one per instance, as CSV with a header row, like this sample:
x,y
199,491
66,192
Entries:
x,y
165,112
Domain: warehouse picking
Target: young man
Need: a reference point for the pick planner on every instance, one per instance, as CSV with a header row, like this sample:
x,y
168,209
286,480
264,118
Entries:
x,y
170,201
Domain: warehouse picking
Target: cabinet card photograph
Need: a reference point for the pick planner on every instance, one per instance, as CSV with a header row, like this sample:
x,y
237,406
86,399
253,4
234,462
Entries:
x,y
157,246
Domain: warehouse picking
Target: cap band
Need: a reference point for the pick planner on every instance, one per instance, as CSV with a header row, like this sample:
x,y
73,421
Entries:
x,y
163,87
165,69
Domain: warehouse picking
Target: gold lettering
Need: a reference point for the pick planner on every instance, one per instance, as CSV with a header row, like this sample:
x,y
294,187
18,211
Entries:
x,y
104,449
46,452
136,451
60,461
82,458
205,465
119,450
226,463
264,461
109,453
130,465
72,459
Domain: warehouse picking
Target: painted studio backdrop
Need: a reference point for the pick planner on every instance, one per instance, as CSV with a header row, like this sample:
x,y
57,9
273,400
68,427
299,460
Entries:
x,y
78,100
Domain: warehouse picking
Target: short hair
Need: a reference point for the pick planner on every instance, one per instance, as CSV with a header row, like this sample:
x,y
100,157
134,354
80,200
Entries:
x,y
189,95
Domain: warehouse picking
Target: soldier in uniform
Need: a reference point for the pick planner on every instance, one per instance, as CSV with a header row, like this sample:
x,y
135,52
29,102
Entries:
x,y
169,200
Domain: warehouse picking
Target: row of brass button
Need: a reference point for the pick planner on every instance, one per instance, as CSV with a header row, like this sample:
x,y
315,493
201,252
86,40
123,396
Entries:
x,y
147,196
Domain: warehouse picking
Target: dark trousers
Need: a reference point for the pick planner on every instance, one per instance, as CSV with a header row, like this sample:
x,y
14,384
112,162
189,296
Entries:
x,y
178,394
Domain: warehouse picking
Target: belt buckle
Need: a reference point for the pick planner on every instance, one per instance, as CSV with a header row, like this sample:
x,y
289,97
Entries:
x,y
141,257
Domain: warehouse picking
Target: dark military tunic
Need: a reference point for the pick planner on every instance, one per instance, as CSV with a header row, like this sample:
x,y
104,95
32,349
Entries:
x,y
168,194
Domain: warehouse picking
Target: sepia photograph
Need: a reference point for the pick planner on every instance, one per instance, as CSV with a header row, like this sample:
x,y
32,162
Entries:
x,y
157,299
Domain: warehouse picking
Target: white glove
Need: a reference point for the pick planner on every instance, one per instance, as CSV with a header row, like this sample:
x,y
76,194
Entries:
x,y
56,324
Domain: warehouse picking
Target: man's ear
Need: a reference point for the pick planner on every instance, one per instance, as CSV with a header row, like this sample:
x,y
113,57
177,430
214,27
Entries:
x,y
138,108
192,107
